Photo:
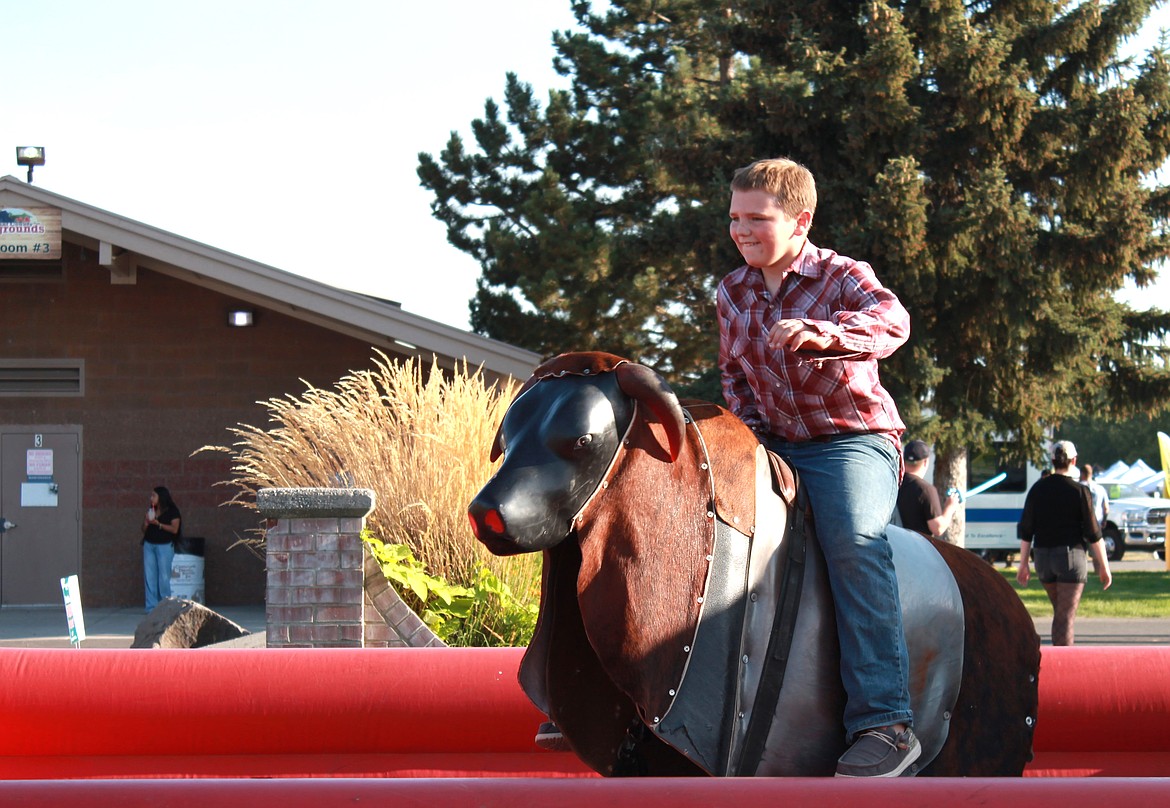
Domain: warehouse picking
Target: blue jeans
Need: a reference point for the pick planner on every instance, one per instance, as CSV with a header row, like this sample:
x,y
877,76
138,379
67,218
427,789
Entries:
x,y
156,562
852,484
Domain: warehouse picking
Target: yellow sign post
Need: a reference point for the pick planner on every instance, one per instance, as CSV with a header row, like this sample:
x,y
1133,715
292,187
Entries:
x,y
1164,450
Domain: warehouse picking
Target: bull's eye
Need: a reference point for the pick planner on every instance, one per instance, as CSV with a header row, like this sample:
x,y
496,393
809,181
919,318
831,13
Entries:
x,y
584,441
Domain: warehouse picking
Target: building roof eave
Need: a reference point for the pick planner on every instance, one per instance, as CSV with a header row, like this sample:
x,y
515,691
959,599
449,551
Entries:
x,y
383,324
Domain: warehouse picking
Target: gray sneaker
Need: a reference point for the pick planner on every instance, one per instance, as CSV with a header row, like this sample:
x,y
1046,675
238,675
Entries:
x,y
880,753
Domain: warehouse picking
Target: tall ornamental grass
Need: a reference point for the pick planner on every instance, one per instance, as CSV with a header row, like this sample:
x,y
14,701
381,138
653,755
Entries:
x,y
419,441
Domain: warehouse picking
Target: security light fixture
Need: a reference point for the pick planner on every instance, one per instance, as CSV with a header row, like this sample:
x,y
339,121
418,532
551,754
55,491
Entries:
x,y
30,156
240,318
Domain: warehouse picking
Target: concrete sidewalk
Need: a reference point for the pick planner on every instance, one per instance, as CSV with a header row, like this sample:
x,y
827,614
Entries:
x,y
1112,630
47,626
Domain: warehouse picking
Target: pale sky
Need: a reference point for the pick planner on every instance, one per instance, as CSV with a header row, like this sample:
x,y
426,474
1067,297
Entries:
x,y
286,131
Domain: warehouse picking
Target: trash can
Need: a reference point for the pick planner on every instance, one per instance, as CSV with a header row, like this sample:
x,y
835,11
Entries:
x,y
187,569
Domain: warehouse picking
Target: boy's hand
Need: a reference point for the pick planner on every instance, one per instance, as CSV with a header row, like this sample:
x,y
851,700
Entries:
x,y
796,335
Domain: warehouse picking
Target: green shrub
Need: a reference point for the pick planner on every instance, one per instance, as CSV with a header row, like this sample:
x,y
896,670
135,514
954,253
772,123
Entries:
x,y
486,613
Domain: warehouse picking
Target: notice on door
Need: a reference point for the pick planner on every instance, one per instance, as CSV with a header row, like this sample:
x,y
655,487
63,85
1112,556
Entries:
x,y
40,491
38,495
38,465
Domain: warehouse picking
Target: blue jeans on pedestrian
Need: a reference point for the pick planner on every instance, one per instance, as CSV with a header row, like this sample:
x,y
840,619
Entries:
x,y
852,484
156,562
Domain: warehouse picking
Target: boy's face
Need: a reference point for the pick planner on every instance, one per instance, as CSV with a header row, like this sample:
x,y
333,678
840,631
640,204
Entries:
x,y
766,236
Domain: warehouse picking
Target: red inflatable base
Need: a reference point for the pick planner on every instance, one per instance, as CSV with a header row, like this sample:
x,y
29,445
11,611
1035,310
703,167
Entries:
x,y
676,793
388,716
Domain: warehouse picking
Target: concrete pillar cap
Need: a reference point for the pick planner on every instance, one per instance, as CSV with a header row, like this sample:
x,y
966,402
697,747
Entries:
x,y
314,503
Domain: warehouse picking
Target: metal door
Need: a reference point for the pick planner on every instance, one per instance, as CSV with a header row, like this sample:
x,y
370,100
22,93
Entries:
x,y
40,492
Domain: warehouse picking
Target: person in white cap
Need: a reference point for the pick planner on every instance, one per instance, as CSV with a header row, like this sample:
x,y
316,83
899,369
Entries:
x,y
1057,522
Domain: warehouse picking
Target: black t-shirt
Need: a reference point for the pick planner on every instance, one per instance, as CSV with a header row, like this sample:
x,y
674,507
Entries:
x,y
156,535
918,503
1058,512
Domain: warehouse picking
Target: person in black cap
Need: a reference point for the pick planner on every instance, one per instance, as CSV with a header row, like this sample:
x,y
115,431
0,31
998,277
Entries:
x,y
919,506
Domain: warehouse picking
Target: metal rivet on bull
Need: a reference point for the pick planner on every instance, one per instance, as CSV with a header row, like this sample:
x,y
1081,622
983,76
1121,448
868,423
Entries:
x,y
745,659
710,514
656,719
1029,721
703,466
946,715
754,597
699,599
670,692
686,649
605,483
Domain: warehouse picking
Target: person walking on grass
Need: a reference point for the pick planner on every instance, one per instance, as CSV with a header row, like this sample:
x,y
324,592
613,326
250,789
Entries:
x,y
1057,523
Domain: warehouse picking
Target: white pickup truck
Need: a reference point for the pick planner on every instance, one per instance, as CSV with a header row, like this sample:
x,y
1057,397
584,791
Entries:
x,y
1135,521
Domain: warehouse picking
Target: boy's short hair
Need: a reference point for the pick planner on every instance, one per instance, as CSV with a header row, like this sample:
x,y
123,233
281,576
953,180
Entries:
x,y
791,183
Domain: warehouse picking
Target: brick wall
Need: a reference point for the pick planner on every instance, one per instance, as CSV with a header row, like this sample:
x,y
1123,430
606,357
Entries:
x,y
325,590
164,376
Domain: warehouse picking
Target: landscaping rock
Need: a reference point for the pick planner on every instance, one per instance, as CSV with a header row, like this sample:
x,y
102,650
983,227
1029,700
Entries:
x,y
178,623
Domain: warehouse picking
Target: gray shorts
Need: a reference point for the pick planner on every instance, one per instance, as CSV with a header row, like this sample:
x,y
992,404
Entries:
x,y
1061,565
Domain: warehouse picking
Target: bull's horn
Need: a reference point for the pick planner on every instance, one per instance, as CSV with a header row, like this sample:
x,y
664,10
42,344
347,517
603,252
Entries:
x,y
643,384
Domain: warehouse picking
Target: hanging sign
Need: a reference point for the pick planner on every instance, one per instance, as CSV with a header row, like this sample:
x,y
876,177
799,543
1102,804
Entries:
x,y
30,233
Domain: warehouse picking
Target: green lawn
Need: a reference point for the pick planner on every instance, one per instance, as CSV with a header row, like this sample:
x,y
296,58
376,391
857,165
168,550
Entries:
x,y
1134,593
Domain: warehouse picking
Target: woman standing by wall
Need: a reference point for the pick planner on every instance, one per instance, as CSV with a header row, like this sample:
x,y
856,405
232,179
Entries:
x,y
160,528
1057,522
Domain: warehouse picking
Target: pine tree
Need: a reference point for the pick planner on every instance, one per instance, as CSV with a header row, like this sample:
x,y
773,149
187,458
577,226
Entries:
x,y
995,161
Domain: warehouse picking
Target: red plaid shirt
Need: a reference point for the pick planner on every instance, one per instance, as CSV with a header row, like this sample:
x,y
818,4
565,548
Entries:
x,y
797,397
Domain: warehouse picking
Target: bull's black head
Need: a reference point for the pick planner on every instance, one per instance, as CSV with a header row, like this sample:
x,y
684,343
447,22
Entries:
x,y
558,439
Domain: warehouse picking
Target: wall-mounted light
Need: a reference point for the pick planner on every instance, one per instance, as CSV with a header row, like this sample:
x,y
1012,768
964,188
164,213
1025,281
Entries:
x,y
240,318
30,156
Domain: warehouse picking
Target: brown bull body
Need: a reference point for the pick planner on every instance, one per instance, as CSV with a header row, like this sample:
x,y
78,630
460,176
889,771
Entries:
x,y
620,487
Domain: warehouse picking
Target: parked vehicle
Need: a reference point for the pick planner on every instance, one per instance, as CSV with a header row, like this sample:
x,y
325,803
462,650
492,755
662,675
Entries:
x,y
1135,521
991,517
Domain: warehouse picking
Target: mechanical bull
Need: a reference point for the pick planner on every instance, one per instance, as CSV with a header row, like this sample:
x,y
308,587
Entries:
x,y
686,624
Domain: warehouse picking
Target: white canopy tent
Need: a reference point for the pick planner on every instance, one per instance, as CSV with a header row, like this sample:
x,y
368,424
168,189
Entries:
x,y
1139,474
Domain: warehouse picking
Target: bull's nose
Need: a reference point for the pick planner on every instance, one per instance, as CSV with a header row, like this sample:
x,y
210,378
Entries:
x,y
486,518
487,523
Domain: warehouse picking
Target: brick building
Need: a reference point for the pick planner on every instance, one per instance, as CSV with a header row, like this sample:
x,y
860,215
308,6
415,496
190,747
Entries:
x,y
117,362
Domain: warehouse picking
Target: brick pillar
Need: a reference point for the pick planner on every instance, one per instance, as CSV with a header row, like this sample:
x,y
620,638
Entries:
x,y
315,566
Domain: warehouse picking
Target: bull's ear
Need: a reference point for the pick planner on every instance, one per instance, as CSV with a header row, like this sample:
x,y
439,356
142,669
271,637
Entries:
x,y
643,384
496,450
